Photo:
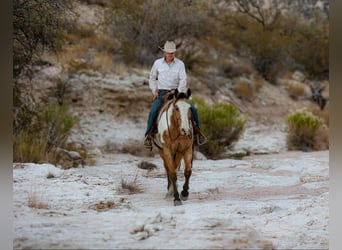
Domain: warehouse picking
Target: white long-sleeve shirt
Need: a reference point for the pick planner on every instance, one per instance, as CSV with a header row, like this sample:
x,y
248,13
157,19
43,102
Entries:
x,y
168,76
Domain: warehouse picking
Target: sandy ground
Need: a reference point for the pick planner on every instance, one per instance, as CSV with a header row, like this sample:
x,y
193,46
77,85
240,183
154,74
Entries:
x,y
277,201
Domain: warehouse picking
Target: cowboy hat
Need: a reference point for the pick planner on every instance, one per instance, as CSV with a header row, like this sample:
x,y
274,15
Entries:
x,y
169,47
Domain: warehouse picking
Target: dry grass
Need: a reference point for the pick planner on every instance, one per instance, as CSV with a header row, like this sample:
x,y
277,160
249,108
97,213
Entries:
x,y
73,52
35,201
323,114
243,90
102,62
322,139
307,140
130,185
295,89
258,83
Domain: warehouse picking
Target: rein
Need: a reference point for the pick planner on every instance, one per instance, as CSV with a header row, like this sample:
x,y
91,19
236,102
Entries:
x,y
167,122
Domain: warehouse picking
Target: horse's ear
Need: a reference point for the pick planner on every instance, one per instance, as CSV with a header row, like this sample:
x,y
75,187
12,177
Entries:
x,y
188,92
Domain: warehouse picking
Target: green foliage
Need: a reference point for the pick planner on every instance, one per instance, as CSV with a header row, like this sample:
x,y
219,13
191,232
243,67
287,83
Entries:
x,y
222,124
304,130
28,148
47,129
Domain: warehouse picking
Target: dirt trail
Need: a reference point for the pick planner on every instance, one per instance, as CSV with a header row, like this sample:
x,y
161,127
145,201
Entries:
x,y
275,201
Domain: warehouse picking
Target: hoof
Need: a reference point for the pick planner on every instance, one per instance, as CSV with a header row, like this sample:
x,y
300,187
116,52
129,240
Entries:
x,y
184,198
177,202
184,195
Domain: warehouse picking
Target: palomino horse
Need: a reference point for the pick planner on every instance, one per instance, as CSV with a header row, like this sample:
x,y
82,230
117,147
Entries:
x,y
176,142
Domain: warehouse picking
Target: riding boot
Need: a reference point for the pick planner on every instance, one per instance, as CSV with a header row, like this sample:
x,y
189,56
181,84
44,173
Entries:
x,y
148,140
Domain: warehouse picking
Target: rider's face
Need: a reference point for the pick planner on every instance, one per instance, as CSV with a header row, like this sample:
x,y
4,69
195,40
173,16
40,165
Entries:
x,y
169,56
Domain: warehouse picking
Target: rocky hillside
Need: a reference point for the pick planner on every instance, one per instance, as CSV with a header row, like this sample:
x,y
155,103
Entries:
x,y
121,93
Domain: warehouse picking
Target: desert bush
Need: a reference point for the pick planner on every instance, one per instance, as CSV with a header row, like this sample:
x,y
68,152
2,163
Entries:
x,y
150,23
258,82
233,69
243,89
222,124
286,41
294,89
323,114
75,65
310,48
262,45
306,132
45,130
38,25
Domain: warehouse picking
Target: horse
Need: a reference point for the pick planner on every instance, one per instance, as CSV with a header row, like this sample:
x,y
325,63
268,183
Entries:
x,y
175,135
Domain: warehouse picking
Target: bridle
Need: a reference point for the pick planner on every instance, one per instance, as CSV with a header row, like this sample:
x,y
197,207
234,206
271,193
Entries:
x,y
178,120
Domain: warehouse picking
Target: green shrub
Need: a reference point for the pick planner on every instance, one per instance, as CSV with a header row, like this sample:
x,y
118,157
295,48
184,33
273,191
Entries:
x,y
222,124
306,132
48,129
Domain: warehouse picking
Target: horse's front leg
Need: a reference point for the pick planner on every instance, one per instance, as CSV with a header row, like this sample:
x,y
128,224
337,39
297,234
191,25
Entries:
x,y
188,158
169,165
173,179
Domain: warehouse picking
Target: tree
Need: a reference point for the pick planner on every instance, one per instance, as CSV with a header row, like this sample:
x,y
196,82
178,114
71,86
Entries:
x,y
150,23
37,25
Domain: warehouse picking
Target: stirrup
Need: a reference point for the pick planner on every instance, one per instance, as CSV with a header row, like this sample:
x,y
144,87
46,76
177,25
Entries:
x,y
148,142
201,139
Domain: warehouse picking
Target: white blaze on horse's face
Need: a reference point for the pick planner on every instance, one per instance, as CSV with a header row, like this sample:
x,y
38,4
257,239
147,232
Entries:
x,y
185,126
184,109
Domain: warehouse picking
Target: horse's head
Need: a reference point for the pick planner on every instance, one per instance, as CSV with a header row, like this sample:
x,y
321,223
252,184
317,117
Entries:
x,y
182,112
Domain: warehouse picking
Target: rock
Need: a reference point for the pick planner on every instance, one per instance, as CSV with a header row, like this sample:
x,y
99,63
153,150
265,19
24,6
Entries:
x,y
69,159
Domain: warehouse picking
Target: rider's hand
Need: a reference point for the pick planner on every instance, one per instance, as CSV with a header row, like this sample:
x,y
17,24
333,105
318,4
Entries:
x,y
155,95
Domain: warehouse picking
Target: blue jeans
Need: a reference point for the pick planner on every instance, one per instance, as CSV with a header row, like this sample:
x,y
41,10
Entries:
x,y
157,103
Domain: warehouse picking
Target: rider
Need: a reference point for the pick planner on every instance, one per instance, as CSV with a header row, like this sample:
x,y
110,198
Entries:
x,y
168,73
